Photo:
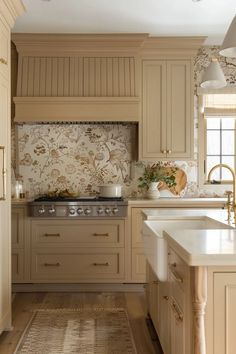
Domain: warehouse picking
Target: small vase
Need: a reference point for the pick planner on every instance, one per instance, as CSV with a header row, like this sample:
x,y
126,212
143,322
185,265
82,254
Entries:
x,y
153,192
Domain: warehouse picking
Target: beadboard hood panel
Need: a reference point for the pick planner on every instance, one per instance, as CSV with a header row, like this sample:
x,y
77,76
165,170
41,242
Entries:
x,y
77,78
86,77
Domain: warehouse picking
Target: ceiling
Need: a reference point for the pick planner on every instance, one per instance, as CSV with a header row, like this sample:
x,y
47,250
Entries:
x,y
209,18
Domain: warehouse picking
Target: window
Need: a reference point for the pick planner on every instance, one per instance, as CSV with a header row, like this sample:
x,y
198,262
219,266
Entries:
x,y
220,146
217,137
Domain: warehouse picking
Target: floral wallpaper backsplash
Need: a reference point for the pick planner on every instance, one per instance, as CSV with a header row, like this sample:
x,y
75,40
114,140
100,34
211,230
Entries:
x,y
80,157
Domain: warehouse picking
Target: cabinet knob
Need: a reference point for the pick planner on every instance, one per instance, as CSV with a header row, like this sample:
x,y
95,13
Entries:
x,y
163,151
166,297
169,151
3,61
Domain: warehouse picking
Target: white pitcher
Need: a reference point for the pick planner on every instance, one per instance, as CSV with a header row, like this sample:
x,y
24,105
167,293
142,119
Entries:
x,y
153,192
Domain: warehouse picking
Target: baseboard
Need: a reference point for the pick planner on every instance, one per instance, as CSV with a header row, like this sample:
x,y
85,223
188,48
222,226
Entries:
x,y
77,288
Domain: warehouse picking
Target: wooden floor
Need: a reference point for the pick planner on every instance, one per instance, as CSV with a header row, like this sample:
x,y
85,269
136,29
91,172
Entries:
x,y
24,303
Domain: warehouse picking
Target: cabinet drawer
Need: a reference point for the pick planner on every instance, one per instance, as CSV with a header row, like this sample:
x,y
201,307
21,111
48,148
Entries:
x,y
178,269
81,265
67,233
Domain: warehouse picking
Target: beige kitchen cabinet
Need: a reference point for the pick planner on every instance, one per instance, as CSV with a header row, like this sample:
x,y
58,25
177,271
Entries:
x,y
71,251
20,241
166,130
138,258
9,10
221,311
157,295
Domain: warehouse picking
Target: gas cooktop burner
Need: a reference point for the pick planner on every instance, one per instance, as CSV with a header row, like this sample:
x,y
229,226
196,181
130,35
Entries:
x,y
77,199
80,207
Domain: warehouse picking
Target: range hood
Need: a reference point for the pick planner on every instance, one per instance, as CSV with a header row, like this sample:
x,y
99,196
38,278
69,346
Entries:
x,y
77,77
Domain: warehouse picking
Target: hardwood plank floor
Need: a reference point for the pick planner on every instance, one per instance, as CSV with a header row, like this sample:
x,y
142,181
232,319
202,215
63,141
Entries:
x,y
25,303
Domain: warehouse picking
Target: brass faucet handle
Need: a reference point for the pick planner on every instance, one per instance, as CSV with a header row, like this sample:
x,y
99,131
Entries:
x,y
228,194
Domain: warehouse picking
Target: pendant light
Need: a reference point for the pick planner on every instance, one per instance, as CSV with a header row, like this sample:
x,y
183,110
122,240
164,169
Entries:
x,y
228,48
213,76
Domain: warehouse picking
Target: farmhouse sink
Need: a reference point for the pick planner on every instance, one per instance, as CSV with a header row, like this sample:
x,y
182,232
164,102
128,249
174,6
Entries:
x,y
155,245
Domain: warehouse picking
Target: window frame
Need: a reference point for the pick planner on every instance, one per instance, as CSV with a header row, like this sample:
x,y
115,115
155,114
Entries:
x,y
202,145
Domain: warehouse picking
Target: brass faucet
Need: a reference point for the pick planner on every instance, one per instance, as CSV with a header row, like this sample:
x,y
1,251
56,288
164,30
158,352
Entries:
x,y
230,205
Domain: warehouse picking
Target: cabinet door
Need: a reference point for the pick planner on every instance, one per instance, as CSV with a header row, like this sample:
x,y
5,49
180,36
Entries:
x,y
5,216
179,109
4,49
164,316
153,128
224,339
177,333
138,257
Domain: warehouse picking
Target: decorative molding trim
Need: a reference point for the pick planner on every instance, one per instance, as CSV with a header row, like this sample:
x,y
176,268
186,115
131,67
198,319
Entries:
x,y
11,10
48,109
73,44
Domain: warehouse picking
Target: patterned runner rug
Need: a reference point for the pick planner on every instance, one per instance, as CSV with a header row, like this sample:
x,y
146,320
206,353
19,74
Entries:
x,y
84,331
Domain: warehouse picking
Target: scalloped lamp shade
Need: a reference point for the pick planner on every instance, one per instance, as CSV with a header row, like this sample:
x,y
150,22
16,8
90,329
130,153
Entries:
x,y
213,76
228,48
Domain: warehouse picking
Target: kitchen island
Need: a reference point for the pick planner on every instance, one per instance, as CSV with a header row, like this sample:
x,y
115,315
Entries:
x,y
197,302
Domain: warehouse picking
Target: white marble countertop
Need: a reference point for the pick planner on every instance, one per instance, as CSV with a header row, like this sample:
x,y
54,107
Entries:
x,y
204,247
177,202
199,247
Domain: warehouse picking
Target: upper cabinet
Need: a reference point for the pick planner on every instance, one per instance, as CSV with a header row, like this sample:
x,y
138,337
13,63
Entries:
x,y
167,110
70,77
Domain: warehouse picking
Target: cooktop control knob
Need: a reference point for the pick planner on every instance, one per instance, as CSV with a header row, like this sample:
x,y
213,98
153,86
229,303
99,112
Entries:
x,y
100,211
87,211
108,211
42,210
115,210
72,211
80,211
52,210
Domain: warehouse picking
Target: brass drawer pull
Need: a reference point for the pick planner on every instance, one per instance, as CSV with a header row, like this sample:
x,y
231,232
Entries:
x,y
178,314
166,297
163,151
52,264
3,61
3,172
52,235
175,275
106,234
101,264
169,151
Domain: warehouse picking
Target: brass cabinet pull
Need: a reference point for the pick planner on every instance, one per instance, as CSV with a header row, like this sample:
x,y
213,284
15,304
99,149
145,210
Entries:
x,y
163,151
175,275
105,234
52,264
169,151
3,61
3,171
155,282
178,314
52,235
101,264
166,297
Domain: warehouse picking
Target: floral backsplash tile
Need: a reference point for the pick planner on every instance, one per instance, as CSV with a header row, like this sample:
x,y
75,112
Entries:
x,y
80,157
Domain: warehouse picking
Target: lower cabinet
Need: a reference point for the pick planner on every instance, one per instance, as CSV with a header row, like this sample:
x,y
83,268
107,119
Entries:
x,y
67,251
221,338
169,306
